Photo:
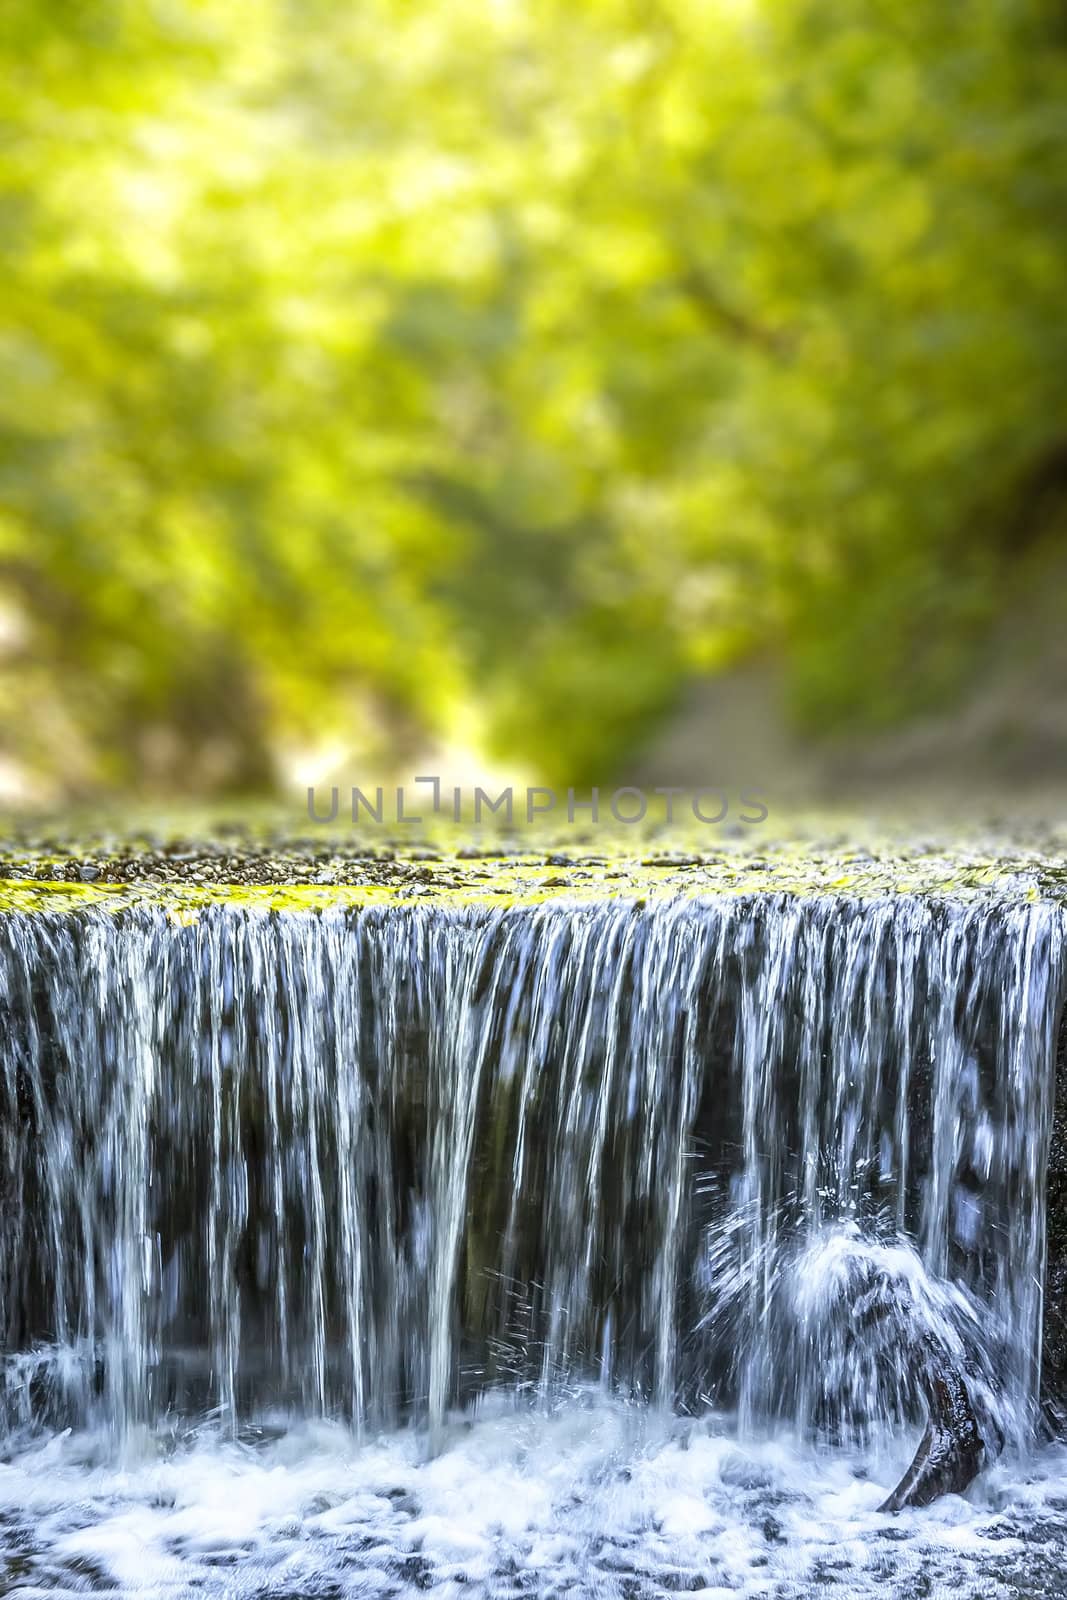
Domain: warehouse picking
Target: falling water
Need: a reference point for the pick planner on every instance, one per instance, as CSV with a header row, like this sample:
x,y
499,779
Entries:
x,y
735,1157
375,1162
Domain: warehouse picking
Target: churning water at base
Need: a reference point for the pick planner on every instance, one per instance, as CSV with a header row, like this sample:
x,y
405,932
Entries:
x,y
592,1499
570,1249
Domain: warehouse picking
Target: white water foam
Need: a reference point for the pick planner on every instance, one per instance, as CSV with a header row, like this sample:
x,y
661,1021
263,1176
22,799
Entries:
x,y
596,1499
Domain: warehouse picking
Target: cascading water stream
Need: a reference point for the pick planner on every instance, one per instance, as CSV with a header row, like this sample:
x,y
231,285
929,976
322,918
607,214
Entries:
x,y
743,1154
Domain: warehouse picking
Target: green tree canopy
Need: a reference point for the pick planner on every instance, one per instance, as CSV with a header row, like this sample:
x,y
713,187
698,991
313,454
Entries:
x,y
483,369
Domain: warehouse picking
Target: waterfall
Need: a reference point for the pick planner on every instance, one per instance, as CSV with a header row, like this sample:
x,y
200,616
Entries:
x,y
738,1153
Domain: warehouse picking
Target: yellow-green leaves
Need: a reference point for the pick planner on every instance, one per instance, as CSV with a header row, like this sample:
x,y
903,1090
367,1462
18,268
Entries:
x,y
388,370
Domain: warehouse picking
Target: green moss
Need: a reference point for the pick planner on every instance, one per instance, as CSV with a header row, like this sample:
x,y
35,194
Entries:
x,y
528,880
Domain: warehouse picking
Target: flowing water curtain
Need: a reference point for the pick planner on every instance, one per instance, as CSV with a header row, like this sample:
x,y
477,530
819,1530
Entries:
x,y
745,1151
907,1091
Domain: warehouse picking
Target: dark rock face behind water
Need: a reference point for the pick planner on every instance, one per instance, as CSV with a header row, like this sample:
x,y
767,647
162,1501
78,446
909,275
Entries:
x,y
743,1151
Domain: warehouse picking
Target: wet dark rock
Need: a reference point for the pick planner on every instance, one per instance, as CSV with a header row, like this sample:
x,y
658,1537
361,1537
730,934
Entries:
x,y
826,1573
682,1582
416,1570
952,1450
88,1575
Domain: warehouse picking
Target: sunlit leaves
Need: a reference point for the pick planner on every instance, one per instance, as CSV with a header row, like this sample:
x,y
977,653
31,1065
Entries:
x,y
420,368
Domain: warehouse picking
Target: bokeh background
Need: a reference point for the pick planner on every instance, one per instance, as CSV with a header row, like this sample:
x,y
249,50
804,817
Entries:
x,y
579,392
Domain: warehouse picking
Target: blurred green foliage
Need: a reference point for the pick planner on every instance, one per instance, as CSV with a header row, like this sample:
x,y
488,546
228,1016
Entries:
x,y
482,369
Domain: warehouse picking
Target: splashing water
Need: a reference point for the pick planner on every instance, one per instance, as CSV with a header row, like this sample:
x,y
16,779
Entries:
x,y
640,1192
